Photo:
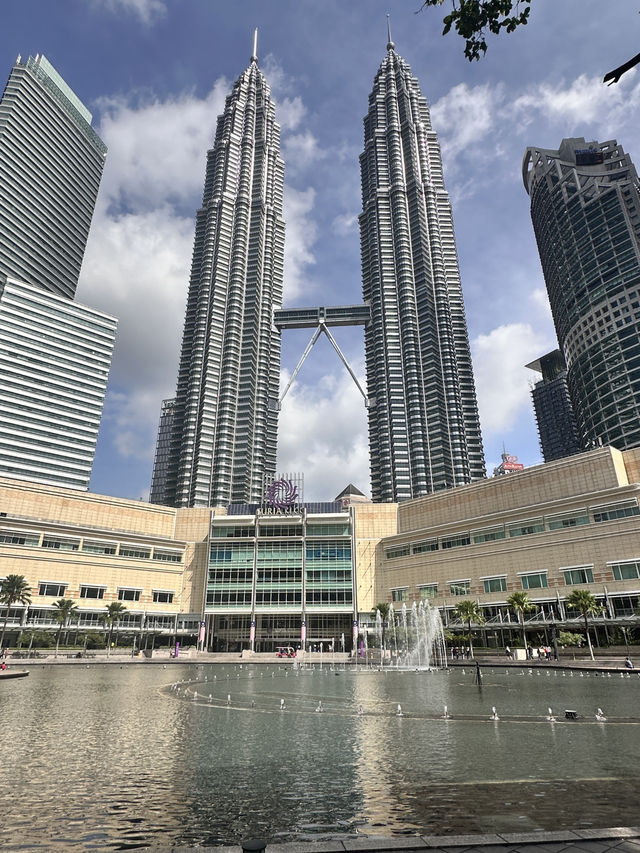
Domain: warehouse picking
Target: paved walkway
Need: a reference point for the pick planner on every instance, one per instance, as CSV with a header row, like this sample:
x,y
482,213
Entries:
x,y
616,840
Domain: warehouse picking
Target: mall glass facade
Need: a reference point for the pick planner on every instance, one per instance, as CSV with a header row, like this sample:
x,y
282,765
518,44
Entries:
x,y
280,581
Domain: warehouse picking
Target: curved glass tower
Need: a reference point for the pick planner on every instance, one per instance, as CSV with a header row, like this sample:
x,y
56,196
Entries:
x,y
585,208
224,429
424,430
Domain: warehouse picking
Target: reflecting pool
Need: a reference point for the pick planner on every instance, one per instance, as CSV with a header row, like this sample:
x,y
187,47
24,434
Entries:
x,y
140,756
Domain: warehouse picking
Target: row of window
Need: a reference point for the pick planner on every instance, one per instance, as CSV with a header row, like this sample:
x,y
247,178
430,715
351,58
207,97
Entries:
x,y
611,512
59,590
279,598
58,543
575,576
245,531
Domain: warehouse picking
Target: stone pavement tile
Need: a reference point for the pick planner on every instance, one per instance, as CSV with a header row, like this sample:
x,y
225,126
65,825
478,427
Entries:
x,y
629,845
593,845
611,832
448,841
535,837
540,847
306,847
375,843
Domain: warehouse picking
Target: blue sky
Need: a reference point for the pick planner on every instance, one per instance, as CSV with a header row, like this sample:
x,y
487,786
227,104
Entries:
x,y
155,73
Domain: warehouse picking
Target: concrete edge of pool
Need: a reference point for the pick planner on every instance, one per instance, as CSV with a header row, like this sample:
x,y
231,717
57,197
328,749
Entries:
x,y
624,839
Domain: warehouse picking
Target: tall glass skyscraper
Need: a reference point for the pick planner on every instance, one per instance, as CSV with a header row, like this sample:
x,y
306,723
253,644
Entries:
x,y
224,430
585,208
55,356
424,429
54,353
51,162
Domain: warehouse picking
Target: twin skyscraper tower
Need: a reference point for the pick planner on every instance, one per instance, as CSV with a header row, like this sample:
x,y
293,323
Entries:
x,y
217,440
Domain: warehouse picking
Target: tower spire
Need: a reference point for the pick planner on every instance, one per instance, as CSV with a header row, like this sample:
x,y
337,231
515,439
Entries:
x,y
390,44
254,55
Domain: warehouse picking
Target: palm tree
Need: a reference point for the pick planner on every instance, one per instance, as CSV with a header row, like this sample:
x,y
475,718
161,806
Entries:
x,y
114,614
584,601
383,609
521,604
14,589
65,609
469,611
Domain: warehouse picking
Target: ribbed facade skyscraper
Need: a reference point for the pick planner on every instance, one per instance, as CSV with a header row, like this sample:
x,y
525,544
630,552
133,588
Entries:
x,y
585,209
424,429
51,162
224,431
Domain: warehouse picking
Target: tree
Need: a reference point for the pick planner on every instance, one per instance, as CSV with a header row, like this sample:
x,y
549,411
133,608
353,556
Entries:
x,y
520,603
469,611
472,18
585,602
115,612
14,589
65,609
383,609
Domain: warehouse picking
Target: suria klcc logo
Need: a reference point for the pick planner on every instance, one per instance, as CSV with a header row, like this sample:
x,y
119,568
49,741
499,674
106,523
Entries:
x,y
282,494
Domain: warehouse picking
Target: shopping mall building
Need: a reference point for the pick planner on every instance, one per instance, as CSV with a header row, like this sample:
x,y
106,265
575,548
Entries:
x,y
259,577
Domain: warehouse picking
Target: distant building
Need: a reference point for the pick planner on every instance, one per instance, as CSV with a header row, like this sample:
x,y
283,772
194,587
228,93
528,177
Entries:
x,y
162,456
224,431
585,208
424,430
55,354
51,163
552,405
54,364
509,465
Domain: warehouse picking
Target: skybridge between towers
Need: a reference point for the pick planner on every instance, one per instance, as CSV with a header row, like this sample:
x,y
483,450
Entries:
x,y
320,319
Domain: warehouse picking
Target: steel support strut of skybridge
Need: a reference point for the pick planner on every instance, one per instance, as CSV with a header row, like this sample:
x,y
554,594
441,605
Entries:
x,y
321,318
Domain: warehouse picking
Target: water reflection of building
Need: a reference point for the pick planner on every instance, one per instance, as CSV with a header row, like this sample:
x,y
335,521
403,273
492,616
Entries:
x,y
573,523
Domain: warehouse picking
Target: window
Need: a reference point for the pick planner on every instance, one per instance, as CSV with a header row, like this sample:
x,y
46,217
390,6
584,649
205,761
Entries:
x,y
570,519
60,544
341,529
167,556
427,591
583,574
57,590
526,528
460,587
489,534
235,532
98,547
15,537
400,551
624,509
160,596
125,594
424,547
495,584
138,553
536,580
92,591
280,530
400,594
626,571
456,541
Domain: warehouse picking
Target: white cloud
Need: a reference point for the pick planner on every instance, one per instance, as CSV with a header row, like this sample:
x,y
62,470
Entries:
x,y
290,112
322,432
148,11
465,115
344,224
157,150
301,150
301,233
502,380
